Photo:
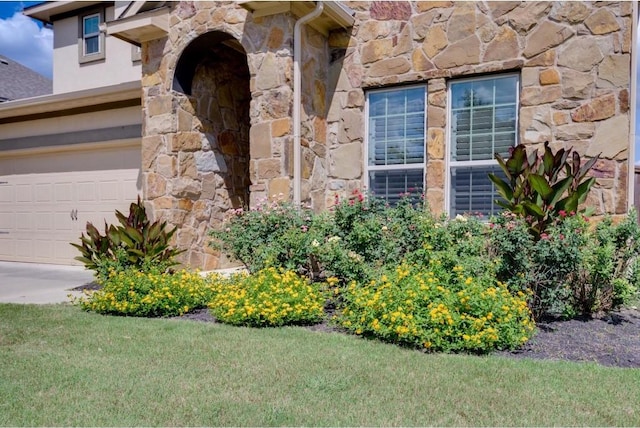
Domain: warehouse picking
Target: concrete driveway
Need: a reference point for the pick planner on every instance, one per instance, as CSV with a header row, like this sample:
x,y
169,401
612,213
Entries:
x,y
39,283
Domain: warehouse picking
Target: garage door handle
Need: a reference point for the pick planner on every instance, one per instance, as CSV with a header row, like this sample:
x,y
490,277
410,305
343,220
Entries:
x,y
74,214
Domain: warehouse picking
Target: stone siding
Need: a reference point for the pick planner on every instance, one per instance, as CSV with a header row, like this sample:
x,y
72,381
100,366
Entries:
x,y
203,152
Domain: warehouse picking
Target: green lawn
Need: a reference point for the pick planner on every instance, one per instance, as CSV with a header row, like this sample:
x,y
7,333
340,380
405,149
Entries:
x,y
60,366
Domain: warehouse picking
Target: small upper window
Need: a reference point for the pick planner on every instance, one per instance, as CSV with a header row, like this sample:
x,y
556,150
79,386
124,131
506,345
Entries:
x,y
91,34
91,41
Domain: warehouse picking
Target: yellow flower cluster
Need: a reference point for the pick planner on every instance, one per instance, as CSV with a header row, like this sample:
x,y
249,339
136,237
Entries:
x,y
267,298
437,311
136,293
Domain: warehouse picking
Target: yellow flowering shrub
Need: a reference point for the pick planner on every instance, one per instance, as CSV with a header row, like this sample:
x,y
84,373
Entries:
x,y
269,297
134,293
436,310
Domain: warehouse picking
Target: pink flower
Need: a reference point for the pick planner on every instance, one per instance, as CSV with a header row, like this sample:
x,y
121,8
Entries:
x,y
304,228
562,213
544,236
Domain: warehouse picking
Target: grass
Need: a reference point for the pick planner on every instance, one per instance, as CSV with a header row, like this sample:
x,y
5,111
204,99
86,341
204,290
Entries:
x,y
61,366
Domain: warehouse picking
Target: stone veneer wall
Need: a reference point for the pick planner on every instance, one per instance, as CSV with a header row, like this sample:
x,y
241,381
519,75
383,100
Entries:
x,y
195,148
573,59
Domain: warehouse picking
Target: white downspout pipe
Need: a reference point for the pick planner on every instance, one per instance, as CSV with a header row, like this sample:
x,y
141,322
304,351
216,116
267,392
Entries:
x,y
297,99
633,110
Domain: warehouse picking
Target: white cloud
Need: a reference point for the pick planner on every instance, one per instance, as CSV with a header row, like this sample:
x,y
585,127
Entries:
x,y
22,40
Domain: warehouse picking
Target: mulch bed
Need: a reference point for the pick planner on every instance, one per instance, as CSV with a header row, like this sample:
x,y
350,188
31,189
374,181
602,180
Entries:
x,y
611,339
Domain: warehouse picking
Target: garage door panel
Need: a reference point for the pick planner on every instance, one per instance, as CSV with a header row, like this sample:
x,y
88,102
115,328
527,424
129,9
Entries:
x,y
36,221
24,193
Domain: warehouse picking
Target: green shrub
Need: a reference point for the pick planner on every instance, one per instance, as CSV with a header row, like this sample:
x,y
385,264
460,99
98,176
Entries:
x,y
135,242
269,297
148,294
273,234
437,310
573,268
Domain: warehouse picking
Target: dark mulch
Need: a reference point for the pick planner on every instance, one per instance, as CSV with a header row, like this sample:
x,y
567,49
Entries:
x,y
612,339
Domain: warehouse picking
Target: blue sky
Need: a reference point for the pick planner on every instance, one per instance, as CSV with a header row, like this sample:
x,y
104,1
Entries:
x,y
26,41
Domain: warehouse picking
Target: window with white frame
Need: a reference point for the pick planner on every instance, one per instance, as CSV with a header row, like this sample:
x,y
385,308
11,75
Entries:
x,y
91,34
483,115
395,146
91,41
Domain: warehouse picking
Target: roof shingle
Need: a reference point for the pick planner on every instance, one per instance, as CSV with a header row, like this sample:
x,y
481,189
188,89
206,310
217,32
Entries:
x,y
18,81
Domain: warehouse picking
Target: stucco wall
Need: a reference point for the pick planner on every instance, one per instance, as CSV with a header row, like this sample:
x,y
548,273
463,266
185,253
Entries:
x,y
69,75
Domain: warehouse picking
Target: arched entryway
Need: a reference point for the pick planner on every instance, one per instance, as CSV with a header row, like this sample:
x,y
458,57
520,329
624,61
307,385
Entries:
x,y
212,71
212,96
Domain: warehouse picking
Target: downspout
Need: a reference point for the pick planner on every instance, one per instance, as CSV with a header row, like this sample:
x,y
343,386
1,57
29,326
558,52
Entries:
x,y
632,110
297,99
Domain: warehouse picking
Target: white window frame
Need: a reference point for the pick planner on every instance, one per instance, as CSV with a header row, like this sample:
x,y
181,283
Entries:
x,y
85,36
397,167
449,146
83,56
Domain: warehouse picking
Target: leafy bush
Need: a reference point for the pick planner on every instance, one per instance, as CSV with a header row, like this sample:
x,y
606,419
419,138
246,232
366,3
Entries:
x,y
437,310
268,297
360,235
539,188
273,234
573,268
147,294
136,242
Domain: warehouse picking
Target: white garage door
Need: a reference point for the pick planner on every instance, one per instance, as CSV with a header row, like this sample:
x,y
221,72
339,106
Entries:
x,y
47,199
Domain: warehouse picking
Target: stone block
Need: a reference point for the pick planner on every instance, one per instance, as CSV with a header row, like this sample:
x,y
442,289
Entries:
x,y
260,141
187,165
462,22
611,137
524,18
549,76
151,147
166,166
580,54
155,186
185,141
159,105
463,52
536,96
269,75
419,61
279,188
390,67
602,21
546,36
503,46
575,131
268,168
390,10
435,201
280,127
346,161
576,84
597,109
623,100
375,50
161,124
436,117
614,71
185,187
545,59
434,41
210,162
435,175
572,12
435,143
